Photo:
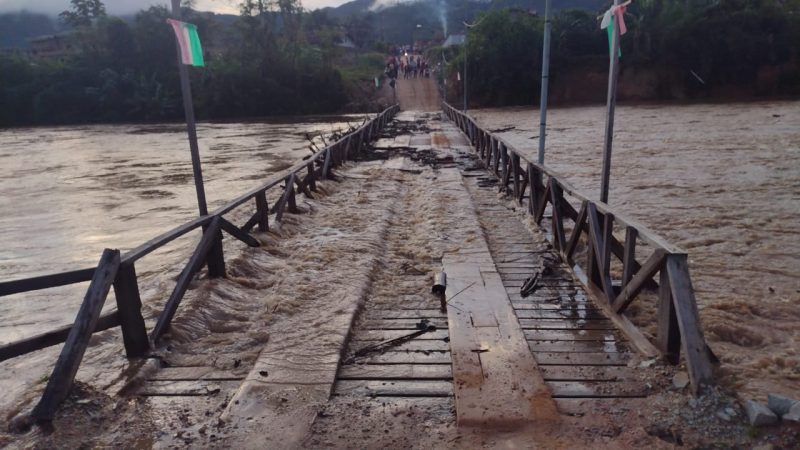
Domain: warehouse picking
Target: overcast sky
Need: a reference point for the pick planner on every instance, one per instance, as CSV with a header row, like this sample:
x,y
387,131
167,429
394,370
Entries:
x,y
118,7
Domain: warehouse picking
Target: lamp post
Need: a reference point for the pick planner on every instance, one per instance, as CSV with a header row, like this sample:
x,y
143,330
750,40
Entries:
x,y
466,34
545,79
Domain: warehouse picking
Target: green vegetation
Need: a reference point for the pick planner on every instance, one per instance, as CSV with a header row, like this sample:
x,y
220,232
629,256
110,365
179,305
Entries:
x,y
678,49
273,59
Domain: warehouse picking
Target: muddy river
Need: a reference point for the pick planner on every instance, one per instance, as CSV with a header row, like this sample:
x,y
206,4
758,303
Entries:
x,y
70,192
721,181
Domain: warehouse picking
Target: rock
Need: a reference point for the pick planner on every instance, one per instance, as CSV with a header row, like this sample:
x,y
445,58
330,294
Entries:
x,y
764,447
758,414
647,363
724,416
780,404
794,413
680,380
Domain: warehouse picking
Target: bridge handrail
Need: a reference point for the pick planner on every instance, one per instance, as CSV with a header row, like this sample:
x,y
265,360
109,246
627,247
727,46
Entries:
x,y
208,252
678,317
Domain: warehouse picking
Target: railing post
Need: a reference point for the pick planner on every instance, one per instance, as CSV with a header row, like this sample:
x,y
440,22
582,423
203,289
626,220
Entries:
x,y
60,382
216,257
129,305
668,336
262,208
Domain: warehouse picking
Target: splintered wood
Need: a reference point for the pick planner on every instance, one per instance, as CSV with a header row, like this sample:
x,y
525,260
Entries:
x,y
497,382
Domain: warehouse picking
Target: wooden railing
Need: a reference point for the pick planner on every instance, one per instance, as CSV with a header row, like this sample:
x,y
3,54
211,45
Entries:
x,y
535,186
119,270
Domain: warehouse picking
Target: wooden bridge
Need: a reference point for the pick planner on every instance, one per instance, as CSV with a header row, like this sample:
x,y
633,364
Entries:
x,y
534,324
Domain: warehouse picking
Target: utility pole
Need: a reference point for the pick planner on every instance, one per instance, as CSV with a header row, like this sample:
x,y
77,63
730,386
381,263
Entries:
x,y
188,109
613,74
466,33
545,79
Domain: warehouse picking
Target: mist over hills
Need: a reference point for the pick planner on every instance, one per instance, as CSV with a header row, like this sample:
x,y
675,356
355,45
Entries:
x,y
392,20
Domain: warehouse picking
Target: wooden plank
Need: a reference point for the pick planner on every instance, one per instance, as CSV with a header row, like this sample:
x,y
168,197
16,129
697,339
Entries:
x,y
399,324
195,263
53,337
384,335
694,345
587,373
396,388
556,324
582,359
45,281
234,231
390,314
312,177
605,256
425,345
60,383
129,306
601,347
195,373
565,314
497,382
396,372
597,389
559,335
407,357
186,388
632,289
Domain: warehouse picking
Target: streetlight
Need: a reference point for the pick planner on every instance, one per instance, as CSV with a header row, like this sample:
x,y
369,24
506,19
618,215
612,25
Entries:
x,y
466,34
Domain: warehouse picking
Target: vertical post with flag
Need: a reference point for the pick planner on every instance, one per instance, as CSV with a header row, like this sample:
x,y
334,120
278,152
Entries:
x,y
614,22
190,52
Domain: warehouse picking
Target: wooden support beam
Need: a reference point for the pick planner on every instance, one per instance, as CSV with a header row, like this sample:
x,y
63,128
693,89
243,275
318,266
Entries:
x,y
628,255
311,178
532,199
187,274
326,166
542,204
597,244
302,187
60,382
637,283
668,335
498,150
576,233
515,174
695,350
262,212
129,305
557,220
291,203
608,235
234,231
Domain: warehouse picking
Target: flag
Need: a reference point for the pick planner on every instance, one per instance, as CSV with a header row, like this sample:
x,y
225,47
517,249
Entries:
x,y
613,17
189,42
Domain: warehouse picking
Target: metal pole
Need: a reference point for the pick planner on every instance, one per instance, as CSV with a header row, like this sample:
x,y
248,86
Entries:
x,y
188,109
466,33
545,79
613,73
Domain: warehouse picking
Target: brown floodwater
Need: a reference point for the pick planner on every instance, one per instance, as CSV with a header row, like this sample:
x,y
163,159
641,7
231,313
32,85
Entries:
x,y
721,181
69,192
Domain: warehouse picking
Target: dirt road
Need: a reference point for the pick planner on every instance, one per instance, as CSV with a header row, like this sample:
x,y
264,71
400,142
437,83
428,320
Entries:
x,y
418,94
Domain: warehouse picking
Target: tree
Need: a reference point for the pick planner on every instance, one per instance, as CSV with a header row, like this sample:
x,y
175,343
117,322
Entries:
x,y
83,12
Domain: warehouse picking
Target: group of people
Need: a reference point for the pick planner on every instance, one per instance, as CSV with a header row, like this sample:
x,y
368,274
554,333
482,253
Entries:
x,y
410,66
414,67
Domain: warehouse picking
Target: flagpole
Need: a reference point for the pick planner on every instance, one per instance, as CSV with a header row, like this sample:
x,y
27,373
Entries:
x,y
613,74
188,109
545,79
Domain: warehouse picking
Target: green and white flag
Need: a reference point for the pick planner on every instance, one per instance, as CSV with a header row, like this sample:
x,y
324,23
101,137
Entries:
x,y
189,42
